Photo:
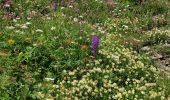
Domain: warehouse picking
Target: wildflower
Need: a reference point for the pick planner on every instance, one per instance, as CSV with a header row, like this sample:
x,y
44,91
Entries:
x,y
142,88
62,8
70,6
84,46
71,73
10,27
75,20
17,18
150,84
95,43
14,20
81,17
28,23
153,94
11,41
28,18
49,79
53,28
17,31
34,44
24,26
41,95
97,62
48,18
38,30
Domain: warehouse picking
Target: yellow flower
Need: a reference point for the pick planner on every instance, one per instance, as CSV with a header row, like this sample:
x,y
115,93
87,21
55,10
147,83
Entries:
x,y
41,95
84,46
10,41
1,33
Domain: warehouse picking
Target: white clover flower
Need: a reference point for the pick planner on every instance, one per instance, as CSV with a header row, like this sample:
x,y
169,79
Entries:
x,y
64,71
150,84
17,25
128,79
81,16
163,98
153,94
100,60
76,98
17,31
48,18
126,82
97,62
89,89
24,26
49,79
18,18
121,70
125,27
152,68
70,6
75,19
133,91
71,73
106,76
10,27
53,28
118,96
27,23
62,8
56,86
39,30
98,69
29,18
129,91
14,20
35,44
142,88
108,56
142,92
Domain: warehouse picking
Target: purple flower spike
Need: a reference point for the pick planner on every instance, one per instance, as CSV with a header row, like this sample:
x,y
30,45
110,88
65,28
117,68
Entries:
x,y
95,44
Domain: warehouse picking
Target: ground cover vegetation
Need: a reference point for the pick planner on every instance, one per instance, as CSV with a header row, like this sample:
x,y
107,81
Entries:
x,y
84,49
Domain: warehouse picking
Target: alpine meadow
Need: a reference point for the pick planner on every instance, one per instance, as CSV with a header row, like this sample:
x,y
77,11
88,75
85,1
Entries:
x,y
84,49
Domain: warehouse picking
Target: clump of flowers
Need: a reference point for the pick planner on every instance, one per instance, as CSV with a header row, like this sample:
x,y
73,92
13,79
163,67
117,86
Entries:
x,y
121,73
